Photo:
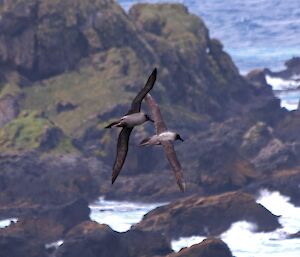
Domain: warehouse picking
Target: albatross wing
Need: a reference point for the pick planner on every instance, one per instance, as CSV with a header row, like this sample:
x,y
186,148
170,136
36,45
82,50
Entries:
x,y
160,127
159,123
175,164
122,149
137,101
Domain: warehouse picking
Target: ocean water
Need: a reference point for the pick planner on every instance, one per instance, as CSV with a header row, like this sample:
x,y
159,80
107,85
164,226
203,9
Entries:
x,y
119,215
256,33
241,237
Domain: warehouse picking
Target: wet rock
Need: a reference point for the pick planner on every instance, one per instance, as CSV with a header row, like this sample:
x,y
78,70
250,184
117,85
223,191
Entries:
x,y
14,246
210,247
292,68
91,239
295,235
284,181
45,224
207,216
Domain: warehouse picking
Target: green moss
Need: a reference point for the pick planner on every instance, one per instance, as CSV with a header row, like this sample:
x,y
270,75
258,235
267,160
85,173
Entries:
x,y
10,89
179,27
25,132
93,88
65,146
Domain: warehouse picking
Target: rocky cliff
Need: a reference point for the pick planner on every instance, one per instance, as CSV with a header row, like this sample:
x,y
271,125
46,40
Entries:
x,y
68,67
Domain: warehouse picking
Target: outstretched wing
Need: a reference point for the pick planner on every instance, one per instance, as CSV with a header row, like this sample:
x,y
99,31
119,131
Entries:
x,y
122,149
159,123
137,101
172,158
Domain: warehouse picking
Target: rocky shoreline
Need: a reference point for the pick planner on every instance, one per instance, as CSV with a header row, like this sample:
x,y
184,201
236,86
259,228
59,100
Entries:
x,y
68,67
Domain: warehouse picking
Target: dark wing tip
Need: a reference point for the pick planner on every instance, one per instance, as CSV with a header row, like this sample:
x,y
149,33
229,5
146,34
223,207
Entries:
x,y
154,71
113,179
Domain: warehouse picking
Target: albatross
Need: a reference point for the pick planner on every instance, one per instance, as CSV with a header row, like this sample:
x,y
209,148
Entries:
x,y
164,137
134,117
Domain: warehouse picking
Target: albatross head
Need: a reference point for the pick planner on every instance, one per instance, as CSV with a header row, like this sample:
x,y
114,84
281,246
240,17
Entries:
x,y
178,137
148,118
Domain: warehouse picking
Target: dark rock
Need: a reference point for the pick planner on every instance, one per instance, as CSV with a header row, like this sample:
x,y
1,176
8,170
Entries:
x,y
14,246
91,239
256,138
28,179
284,181
258,79
47,223
292,68
65,106
51,138
9,109
207,216
210,247
50,38
274,156
287,130
294,235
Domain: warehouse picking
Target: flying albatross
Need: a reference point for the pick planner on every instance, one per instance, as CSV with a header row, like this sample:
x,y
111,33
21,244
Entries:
x,y
164,137
133,118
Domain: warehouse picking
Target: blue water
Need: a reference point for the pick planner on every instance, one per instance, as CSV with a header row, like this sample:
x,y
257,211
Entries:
x,y
256,33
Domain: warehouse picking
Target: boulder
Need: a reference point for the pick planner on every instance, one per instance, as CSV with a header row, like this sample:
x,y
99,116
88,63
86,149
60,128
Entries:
x,y
210,247
91,240
14,246
294,235
207,215
46,224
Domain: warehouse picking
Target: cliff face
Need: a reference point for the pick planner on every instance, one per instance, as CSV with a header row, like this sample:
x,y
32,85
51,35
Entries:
x,y
71,66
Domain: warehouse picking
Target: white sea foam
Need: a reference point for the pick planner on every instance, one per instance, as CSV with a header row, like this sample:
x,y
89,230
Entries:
x,y
7,222
280,205
185,242
241,237
119,215
244,242
282,84
54,244
286,91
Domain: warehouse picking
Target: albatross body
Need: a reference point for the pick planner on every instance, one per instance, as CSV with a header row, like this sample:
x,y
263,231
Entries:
x,y
133,118
164,137
130,120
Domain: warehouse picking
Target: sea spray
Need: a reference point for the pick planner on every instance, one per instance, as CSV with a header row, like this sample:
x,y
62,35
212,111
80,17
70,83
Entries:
x,y
119,215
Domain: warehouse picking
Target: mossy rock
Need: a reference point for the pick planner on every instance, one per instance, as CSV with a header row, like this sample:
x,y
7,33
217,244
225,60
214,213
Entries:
x,y
30,131
93,89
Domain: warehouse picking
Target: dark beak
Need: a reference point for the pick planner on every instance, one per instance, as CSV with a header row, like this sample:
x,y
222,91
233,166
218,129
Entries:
x,y
180,139
151,120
